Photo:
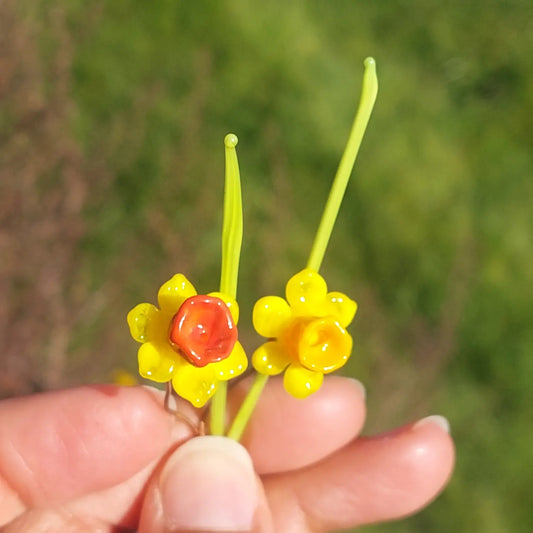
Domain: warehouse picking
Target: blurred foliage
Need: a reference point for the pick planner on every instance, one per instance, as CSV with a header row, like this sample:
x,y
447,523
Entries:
x,y
117,184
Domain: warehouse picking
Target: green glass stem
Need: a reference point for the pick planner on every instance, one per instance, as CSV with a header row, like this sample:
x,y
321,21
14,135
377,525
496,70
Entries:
x,y
247,408
366,104
218,409
340,182
231,250
232,224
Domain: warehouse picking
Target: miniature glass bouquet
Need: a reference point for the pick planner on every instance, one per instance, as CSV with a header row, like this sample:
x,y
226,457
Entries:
x,y
190,341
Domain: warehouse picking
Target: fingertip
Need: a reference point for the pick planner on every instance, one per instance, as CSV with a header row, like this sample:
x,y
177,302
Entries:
x,y
438,420
86,434
433,453
357,385
417,459
385,477
207,484
286,433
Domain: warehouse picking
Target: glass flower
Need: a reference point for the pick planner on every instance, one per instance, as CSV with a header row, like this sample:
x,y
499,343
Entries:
x,y
307,335
190,339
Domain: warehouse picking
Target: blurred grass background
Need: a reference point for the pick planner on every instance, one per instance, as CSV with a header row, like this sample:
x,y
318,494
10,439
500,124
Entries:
x,y
112,119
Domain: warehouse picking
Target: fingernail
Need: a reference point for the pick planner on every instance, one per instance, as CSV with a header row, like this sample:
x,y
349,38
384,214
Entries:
x,y
360,387
438,420
209,484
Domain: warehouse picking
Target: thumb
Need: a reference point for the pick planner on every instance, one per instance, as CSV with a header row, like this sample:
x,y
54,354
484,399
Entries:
x,y
207,484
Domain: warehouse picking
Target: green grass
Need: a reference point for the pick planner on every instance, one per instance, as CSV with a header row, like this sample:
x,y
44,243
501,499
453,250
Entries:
x,y
435,237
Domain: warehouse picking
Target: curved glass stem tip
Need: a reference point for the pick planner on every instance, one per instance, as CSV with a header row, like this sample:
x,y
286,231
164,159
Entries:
x,y
366,104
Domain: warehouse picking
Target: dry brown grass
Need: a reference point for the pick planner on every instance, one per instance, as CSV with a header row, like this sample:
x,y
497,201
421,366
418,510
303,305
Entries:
x,y
43,188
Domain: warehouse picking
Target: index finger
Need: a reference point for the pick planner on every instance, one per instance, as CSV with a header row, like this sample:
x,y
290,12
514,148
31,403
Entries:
x,y
60,446
286,433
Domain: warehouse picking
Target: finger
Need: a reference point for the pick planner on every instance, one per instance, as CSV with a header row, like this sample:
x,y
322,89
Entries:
x,y
103,442
286,433
46,520
61,445
338,410
372,480
208,484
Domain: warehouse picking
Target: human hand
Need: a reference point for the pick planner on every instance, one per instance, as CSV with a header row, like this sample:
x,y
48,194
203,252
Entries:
x,y
112,459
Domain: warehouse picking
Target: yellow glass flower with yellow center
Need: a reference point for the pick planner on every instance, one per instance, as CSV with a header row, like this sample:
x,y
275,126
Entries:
x,y
307,333
162,360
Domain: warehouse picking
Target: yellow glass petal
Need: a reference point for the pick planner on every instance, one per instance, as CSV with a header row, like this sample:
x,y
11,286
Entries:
x,y
159,327
195,384
341,307
230,302
324,345
270,315
270,358
232,366
174,292
306,292
138,320
301,382
157,364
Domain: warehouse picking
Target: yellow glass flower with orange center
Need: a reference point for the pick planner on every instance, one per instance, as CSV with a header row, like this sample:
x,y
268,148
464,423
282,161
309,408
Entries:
x,y
307,332
191,340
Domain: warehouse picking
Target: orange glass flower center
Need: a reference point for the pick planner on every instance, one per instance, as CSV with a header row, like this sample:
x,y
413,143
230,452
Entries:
x,y
203,330
319,344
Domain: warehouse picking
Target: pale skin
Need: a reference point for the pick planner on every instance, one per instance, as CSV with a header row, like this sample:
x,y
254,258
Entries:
x,y
90,460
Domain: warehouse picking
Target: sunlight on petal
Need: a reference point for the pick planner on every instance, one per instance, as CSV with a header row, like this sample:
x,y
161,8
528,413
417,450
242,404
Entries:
x,y
233,366
271,358
174,292
270,315
300,382
306,292
341,307
139,319
230,302
156,364
195,384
